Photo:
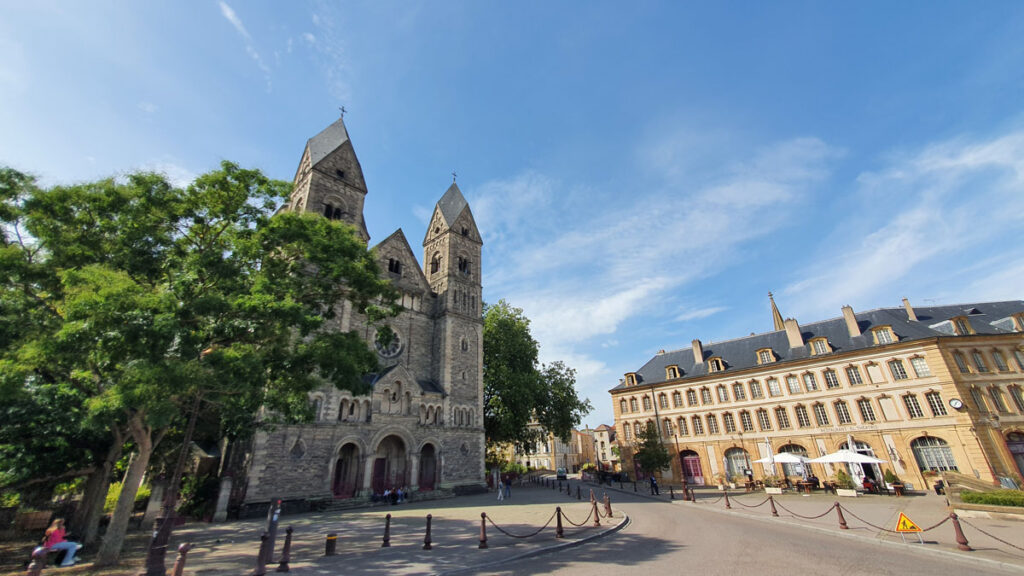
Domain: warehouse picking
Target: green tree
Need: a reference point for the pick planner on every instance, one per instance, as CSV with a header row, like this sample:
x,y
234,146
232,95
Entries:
x,y
156,302
517,391
650,453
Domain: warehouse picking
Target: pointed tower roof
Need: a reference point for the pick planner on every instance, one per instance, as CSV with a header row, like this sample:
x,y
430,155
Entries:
x,y
452,204
776,317
327,141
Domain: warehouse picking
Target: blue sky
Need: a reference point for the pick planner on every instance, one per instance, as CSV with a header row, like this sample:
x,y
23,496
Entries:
x,y
643,173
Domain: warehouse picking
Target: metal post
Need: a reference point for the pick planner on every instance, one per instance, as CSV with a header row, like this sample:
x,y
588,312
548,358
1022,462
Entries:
x,y
286,553
179,563
842,520
771,500
38,562
634,485
591,494
607,506
559,533
597,516
426,540
578,497
272,516
671,493
961,540
727,505
331,546
483,530
387,532
261,557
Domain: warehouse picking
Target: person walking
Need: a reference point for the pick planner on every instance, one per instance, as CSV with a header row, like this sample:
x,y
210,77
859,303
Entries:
x,y
508,488
501,490
654,486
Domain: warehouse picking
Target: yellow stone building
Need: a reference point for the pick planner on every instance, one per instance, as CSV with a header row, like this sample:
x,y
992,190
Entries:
x,y
927,389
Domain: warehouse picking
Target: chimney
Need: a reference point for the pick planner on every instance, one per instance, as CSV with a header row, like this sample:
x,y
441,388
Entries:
x,y
793,333
851,321
911,315
698,352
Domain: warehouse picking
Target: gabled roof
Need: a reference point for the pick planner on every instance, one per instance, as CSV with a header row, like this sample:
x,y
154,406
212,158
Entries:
x,y
740,353
416,277
328,140
426,386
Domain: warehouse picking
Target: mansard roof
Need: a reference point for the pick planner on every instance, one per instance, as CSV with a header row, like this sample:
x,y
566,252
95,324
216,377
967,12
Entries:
x,y
741,353
328,140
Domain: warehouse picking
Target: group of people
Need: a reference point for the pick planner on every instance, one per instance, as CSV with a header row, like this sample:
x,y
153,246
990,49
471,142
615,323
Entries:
x,y
504,488
394,496
56,540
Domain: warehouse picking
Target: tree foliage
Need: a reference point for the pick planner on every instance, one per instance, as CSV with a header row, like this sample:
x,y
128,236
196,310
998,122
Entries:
x,y
650,453
145,300
517,391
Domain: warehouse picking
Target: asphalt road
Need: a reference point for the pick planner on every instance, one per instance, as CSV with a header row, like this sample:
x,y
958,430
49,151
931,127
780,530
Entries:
x,y
664,539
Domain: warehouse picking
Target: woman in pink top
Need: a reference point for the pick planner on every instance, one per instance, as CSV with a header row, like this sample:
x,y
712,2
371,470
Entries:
x,y
55,541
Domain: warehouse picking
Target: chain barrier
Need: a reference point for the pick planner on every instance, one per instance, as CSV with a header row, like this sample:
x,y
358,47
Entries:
x,y
794,514
532,534
887,530
964,520
763,502
715,501
585,520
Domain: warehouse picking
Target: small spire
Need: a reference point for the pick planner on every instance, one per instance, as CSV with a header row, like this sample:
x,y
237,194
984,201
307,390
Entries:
x,y
454,175
776,317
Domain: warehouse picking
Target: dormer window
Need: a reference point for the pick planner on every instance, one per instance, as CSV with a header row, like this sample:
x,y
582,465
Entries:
x,y
820,346
631,379
765,356
715,365
394,266
671,372
963,327
883,335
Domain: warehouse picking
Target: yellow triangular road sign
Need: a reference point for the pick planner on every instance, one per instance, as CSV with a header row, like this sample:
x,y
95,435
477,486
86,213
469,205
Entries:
x,y
905,524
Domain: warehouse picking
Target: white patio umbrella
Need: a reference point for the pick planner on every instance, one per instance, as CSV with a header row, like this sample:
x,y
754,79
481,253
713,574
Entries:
x,y
784,458
846,456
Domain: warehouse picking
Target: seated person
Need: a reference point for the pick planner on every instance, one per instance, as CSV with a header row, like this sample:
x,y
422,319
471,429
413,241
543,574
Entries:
x,y
814,480
869,485
55,540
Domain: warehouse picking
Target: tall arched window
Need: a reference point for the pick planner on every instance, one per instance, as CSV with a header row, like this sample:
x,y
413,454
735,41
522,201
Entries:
x,y
735,462
793,469
933,453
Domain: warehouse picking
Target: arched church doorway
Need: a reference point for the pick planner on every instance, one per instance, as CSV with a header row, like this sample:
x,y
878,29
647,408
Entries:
x,y
345,471
428,467
389,464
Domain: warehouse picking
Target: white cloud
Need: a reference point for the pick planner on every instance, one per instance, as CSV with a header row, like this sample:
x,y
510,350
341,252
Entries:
x,y
250,48
936,212
699,313
178,175
308,37
148,107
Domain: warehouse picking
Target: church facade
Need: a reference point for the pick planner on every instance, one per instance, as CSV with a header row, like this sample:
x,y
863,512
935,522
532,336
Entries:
x,y
421,424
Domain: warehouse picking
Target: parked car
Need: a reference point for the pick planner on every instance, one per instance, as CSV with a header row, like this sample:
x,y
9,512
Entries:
x,y
560,474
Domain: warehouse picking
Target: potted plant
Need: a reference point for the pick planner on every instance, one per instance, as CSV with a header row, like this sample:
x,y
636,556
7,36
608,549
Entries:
x,y
892,480
735,480
772,484
844,484
720,480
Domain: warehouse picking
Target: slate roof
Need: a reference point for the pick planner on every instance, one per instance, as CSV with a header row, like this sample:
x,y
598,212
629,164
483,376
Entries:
x,y
452,204
740,353
328,140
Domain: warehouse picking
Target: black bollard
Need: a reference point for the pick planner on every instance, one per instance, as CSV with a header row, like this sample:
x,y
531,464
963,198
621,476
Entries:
x,y
727,505
597,516
771,500
671,493
578,492
261,557
387,532
426,539
634,486
331,546
286,553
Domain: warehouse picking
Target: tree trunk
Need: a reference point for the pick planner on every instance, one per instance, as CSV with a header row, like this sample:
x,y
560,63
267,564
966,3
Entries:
x,y
113,540
96,488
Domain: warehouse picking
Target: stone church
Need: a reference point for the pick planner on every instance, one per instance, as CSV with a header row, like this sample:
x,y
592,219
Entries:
x,y
421,424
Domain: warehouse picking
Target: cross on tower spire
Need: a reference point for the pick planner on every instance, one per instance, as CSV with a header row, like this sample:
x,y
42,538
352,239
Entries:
x,y
342,109
453,176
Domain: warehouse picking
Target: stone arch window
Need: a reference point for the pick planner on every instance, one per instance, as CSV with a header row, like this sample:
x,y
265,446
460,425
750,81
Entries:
x,y
738,392
395,266
464,266
464,344
317,406
435,263
723,393
933,453
298,449
691,398
705,395
729,422
647,402
662,400
681,426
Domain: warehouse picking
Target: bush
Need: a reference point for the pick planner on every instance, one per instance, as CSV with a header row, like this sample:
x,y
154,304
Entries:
x,y
198,496
995,498
891,477
513,468
843,480
114,492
